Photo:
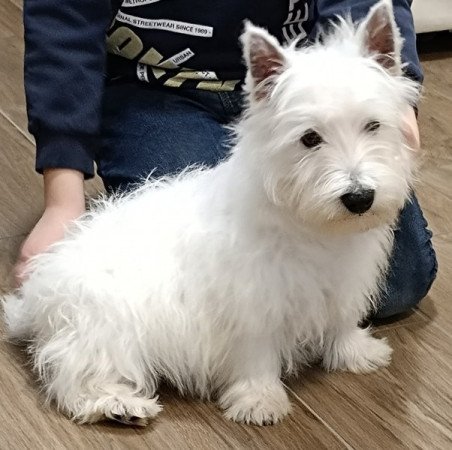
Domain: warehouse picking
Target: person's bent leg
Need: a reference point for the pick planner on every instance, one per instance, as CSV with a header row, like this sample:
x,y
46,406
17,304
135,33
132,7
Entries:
x,y
160,131
413,264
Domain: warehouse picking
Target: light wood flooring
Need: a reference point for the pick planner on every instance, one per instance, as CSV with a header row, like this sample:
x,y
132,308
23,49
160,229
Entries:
x,y
408,405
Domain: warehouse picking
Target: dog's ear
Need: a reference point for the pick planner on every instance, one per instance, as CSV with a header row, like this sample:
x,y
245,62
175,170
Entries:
x,y
264,58
381,37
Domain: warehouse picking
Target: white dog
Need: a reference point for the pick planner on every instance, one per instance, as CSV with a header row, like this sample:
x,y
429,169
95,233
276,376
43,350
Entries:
x,y
223,280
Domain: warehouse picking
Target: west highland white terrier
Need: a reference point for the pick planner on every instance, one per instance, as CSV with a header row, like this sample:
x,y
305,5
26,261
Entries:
x,y
223,280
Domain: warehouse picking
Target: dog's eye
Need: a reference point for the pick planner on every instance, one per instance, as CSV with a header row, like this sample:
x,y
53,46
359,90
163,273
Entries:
x,y
372,126
311,139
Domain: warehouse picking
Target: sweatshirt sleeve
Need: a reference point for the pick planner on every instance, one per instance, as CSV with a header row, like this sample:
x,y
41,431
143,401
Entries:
x,y
328,9
64,79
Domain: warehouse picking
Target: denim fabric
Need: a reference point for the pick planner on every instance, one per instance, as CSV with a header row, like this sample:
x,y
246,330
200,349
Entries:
x,y
413,264
164,130
161,130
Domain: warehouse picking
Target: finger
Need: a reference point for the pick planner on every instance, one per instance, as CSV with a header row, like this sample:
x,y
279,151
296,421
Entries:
x,y
17,277
411,130
19,274
411,137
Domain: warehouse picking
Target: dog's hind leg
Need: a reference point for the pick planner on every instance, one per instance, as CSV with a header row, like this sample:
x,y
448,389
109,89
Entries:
x,y
91,377
118,402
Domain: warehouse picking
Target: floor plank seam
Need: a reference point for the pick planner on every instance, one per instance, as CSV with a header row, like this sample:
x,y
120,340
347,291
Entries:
x,y
12,236
397,323
435,325
16,5
321,420
17,127
391,327
445,235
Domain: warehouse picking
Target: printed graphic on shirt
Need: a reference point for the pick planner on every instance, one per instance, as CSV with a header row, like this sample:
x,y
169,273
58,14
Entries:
x,y
159,49
293,25
165,24
152,64
142,72
206,80
124,42
176,60
210,81
132,3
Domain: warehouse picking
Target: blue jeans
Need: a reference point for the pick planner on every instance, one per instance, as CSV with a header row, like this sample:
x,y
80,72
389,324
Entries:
x,y
164,130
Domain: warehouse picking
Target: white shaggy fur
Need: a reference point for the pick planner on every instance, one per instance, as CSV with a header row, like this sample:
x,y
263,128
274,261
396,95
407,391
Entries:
x,y
223,280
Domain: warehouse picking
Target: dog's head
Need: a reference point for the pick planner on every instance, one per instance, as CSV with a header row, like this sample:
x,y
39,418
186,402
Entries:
x,y
324,123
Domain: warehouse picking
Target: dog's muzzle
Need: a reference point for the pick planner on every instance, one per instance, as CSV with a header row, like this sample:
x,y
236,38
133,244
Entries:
x,y
358,202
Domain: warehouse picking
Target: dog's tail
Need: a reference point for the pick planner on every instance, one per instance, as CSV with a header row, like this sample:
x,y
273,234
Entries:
x,y
16,318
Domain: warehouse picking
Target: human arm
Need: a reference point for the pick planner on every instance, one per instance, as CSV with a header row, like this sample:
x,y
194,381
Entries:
x,y
64,78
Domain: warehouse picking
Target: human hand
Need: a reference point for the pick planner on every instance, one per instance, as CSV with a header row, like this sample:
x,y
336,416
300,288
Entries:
x,y
49,229
64,202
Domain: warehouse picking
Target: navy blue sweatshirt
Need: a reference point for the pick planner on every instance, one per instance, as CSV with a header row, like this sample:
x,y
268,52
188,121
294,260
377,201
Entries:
x,y
72,47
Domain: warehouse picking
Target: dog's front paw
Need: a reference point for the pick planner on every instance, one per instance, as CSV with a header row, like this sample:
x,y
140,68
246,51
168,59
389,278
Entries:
x,y
255,403
357,352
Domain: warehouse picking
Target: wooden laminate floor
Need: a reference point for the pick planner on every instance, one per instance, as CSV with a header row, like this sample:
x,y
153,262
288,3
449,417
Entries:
x,y
408,405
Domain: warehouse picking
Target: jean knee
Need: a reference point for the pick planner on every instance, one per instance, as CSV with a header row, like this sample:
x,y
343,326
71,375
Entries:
x,y
426,270
413,264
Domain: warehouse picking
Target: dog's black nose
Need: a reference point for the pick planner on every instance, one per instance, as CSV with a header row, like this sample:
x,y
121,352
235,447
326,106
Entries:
x,y
359,202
